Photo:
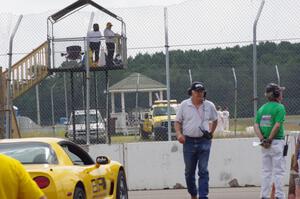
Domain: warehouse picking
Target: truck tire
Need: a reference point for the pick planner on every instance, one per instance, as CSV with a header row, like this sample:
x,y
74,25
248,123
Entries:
x,y
160,133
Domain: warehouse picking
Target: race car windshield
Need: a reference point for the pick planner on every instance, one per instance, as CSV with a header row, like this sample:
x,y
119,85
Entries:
x,y
161,111
29,152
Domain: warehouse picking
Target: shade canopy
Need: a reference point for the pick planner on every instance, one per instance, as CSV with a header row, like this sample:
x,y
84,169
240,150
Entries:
x,y
77,6
137,82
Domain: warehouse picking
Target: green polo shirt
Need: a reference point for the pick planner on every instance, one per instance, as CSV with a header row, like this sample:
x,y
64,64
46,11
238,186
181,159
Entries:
x,y
269,114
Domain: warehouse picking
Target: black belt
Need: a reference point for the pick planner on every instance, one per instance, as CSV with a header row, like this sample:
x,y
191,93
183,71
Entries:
x,y
194,138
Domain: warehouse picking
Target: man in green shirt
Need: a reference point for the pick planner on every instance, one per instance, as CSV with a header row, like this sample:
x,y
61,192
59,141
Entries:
x,y
269,129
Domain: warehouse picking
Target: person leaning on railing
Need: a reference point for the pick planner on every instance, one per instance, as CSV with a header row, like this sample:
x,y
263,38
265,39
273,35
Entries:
x,y
110,43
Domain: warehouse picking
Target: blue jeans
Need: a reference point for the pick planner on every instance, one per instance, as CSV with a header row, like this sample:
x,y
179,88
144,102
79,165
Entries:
x,y
196,151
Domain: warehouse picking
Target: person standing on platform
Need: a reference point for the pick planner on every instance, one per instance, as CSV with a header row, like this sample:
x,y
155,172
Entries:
x,y
94,40
110,37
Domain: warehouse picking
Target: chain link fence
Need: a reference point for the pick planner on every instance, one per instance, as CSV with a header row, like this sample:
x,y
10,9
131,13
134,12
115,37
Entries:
x,y
207,40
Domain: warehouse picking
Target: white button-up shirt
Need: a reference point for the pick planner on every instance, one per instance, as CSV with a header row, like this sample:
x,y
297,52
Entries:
x,y
109,36
94,36
194,119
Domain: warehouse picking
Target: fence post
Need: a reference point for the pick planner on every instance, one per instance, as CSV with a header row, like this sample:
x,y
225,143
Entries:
x,y
8,81
278,75
52,109
190,76
167,69
235,100
2,105
255,59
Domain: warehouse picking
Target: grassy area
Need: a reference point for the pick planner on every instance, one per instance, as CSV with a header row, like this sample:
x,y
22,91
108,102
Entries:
x,y
241,124
291,124
125,139
114,139
43,134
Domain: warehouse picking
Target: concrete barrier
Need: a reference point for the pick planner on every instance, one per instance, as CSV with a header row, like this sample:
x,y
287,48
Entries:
x,y
159,165
114,151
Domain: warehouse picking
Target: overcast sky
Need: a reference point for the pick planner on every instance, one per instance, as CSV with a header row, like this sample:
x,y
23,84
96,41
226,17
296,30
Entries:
x,y
39,6
193,24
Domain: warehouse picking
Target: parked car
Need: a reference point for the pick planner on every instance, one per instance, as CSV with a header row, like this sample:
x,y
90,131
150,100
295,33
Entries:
x,y
77,129
63,170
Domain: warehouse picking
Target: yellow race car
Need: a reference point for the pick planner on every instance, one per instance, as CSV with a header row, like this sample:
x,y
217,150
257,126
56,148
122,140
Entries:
x,y
63,170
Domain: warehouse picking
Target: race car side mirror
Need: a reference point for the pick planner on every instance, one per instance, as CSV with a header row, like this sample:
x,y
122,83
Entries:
x,y
102,160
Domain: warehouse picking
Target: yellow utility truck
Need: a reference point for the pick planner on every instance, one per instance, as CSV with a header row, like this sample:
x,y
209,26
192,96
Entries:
x,y
155,122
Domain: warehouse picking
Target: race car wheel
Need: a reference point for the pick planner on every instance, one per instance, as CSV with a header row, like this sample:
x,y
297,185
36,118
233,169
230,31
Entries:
x,y
79,193
122,191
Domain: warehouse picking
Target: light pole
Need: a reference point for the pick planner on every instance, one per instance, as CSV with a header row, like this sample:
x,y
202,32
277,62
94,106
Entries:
x,y
52,108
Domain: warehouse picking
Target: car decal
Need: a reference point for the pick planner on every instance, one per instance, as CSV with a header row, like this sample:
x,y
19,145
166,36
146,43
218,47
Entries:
x,y
98,184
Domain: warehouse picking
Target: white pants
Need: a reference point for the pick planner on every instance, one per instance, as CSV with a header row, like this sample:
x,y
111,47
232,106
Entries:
x,y
273,165
226,124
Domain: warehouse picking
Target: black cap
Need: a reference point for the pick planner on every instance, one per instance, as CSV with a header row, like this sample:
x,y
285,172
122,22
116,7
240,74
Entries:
x,y
197,86
272,87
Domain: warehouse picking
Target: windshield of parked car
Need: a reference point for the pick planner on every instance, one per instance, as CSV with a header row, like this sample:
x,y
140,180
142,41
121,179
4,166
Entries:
x,y
29,152
160,111
80,119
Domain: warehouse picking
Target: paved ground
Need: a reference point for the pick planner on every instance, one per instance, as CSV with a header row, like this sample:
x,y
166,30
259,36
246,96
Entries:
x,y
216,193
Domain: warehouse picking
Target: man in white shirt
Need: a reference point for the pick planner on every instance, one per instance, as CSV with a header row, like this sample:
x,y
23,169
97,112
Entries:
x,y
220,126
226,118
94,40
110,43
195,133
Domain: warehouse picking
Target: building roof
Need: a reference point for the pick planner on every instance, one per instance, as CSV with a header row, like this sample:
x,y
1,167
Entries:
x,y
137,82
78,5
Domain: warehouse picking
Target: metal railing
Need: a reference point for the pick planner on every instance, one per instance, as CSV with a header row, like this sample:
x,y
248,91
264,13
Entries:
x,y
29,71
